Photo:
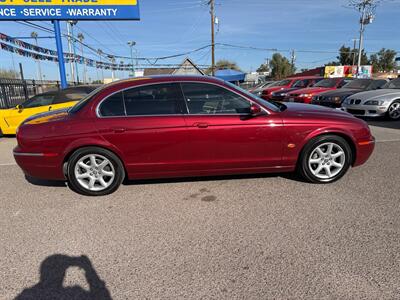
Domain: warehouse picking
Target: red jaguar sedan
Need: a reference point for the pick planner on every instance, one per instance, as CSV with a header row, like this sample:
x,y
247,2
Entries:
x,y
181,126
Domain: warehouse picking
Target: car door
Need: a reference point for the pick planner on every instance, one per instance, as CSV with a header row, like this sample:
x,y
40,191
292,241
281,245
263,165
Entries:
x,y
222,133
146,124
33,106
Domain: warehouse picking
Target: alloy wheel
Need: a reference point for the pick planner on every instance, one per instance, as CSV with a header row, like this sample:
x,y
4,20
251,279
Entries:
x,y
327,160
94,172
394,111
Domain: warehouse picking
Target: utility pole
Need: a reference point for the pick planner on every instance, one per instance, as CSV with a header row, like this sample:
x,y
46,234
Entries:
x,y
366,8
212,13
34,35
81,37
354,51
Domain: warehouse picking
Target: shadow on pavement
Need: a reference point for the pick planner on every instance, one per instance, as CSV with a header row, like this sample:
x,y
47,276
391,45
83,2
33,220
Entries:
x,y
289,176
383,123
52,274
42,182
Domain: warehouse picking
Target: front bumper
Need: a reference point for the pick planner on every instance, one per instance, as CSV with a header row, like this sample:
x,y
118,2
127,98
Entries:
x,y
365,148
40,165
365,110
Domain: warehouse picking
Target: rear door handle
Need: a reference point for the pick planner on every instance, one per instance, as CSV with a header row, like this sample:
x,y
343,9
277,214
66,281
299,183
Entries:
x,y
201,125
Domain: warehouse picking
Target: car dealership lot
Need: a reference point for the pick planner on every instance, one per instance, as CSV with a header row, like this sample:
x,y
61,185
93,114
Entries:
x,y
254,237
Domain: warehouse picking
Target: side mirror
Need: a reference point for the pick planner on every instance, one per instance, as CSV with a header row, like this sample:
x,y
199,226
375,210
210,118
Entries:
x,y
19,107
255,110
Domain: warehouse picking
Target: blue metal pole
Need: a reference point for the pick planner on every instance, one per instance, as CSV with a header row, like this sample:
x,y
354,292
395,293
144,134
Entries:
x,y
60,54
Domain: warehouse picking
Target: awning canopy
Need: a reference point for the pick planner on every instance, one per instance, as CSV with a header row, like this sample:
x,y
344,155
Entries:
x,y
230,75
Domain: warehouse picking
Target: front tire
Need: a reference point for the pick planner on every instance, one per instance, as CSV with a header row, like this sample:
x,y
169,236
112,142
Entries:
x,y
94,171
393,112
325,159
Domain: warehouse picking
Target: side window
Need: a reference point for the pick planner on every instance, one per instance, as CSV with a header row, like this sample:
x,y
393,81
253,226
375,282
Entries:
x,y
40,100
343,83
207,99
377,84
158,99
68,96
113,106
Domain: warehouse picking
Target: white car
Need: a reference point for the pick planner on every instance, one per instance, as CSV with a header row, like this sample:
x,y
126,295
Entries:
x,y
384,102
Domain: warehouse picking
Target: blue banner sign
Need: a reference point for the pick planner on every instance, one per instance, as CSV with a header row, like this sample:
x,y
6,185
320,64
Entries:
x,y
69,10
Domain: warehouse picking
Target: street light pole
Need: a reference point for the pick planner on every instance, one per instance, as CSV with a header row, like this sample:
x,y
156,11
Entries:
x,y
100,53
132,44
34,35
360,48
81,37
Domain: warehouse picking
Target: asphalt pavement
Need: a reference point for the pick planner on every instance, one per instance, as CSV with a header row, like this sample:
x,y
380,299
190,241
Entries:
x,y
251,237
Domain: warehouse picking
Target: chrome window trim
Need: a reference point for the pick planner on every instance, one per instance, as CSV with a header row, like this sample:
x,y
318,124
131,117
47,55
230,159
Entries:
x,y
183,114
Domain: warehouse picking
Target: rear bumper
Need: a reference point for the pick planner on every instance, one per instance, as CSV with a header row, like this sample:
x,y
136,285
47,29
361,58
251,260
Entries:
x,y
40,165
364,151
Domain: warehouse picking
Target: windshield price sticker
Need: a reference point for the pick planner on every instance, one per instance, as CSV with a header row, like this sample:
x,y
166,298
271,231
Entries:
x,y
69,10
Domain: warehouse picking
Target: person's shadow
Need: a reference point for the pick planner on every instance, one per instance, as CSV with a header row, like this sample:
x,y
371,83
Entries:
x,y
52,273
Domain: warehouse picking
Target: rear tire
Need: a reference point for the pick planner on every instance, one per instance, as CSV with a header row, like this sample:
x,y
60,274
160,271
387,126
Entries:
x,y
325,159
94,171
1,133
393,112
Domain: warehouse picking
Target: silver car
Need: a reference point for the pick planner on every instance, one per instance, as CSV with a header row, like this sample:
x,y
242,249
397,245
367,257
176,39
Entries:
x,y
378,103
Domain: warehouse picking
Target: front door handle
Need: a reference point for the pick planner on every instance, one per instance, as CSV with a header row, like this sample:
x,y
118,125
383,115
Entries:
x,y
201,125
118,129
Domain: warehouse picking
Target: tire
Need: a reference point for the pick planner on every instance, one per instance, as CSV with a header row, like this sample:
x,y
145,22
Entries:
x,y
94,171
1,133
393,112
322,153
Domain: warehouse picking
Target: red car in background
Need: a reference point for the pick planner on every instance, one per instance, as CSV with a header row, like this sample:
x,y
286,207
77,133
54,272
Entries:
x,y
306,95
280,85
299,84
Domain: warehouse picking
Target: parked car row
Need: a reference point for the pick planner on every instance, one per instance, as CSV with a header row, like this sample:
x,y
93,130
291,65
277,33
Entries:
x,y
360,97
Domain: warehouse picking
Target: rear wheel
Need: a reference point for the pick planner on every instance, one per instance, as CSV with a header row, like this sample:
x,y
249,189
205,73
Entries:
x,y
1,133
394,111
325,159
94,171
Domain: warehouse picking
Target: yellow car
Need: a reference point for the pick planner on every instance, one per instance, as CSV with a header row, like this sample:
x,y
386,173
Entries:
x,y
10,119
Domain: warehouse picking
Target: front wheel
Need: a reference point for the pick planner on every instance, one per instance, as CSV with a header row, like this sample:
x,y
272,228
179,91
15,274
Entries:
x,y
325,159
94,171
394,111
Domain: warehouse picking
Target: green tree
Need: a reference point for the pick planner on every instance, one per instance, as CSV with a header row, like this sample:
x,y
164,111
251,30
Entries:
x,y
224,64
263,68
9,74
281,67
384,60
347,56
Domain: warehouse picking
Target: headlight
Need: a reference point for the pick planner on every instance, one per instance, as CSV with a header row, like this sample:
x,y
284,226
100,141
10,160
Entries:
x,y
337,99
305,95
346,101
283,94
374,102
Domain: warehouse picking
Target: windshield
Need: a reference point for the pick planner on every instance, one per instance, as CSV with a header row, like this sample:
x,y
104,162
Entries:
x,y
360,84
327,83
271,105
394,84
83,102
